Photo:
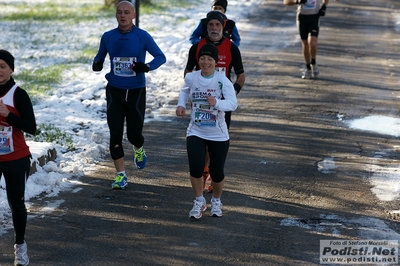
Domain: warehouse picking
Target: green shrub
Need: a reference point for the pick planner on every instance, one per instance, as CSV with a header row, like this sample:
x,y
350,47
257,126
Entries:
x,y
49,133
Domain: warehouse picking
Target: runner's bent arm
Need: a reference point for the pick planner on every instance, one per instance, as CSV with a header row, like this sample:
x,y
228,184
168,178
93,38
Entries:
x,y
238,65
229,103
240,79
196,34
191,62
185,91
98,61
290,2
26,121
158,56
235,36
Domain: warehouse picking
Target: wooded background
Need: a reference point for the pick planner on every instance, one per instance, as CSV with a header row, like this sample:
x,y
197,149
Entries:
x,y
109,3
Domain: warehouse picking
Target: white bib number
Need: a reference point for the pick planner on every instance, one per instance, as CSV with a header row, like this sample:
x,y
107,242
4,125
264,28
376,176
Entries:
x,y
204,115
123,66
6,141
310,4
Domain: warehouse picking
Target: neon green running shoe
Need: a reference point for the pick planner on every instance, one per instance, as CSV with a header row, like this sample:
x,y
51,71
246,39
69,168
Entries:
x,y
140,158
120,182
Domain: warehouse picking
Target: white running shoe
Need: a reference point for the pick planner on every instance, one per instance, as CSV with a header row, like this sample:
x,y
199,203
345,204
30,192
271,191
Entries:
x,y
198,208
306,74
315,71
216,208
21,254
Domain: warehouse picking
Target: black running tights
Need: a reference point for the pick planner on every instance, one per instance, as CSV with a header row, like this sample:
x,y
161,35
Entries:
x,y
16,174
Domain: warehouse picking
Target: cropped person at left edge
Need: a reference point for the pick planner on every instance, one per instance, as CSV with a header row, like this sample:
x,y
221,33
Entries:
x,y
126,89
16,117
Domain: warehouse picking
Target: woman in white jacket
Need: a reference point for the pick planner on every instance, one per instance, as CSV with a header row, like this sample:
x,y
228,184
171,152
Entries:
x,y
211,94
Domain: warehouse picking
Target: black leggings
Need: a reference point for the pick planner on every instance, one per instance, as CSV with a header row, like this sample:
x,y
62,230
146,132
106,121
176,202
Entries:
x,y
308,24
228,116
15,174
121,104
196,150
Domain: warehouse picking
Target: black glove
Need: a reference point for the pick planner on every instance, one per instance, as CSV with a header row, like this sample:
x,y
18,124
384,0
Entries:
x,y
140,67
237,88
301,2
322,10
98,65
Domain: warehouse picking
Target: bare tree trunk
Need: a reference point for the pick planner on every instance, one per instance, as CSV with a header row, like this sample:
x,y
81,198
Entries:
x,y
109,3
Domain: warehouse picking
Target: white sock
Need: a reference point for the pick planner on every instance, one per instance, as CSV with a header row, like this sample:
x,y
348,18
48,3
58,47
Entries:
x,y
215,199
122,172
200,199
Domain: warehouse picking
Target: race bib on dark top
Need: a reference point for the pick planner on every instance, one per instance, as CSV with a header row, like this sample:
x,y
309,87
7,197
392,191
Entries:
x,y
123,66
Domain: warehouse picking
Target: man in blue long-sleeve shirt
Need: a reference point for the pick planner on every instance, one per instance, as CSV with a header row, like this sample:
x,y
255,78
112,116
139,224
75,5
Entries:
x,y
126,46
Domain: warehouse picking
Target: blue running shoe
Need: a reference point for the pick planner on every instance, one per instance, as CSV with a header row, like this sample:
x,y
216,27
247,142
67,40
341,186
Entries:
x,y
140,158
120,182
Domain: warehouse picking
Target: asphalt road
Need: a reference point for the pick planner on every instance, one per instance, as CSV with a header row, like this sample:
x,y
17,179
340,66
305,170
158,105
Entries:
x,y
282,129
